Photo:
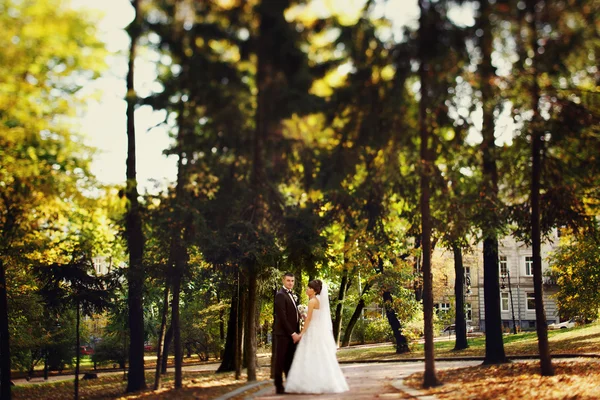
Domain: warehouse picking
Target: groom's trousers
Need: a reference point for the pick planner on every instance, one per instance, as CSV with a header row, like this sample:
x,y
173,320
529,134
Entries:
x,y
284,355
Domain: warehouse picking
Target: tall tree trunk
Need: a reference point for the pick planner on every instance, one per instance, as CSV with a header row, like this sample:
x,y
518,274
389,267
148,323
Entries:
x,y
425,170
459,293
135,240
175,323
337,322
536,172
229,354
161,334
250,339
273,349
166,347
179,251
418,284
494,346
45,364
271,17
390,313
5,388
239,337
355,316
221,321
78,350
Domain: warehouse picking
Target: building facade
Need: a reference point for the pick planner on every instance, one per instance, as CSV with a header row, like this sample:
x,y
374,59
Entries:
x,y
516,284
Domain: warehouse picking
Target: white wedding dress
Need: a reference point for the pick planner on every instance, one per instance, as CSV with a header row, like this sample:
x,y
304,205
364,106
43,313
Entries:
x,y
315,368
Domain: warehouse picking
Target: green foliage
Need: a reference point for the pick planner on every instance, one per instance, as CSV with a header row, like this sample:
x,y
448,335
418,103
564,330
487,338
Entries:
x,y
200,329
575,268
378,330
61,349
111,349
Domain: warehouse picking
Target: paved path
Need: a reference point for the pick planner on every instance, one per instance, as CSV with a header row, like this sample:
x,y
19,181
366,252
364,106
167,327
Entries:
x,y
371,381
56,378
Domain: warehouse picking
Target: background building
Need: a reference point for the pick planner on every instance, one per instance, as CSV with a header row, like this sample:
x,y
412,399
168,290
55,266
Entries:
x,y
516,284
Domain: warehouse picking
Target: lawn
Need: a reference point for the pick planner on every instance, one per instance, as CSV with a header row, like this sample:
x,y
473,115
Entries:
x,y
578,340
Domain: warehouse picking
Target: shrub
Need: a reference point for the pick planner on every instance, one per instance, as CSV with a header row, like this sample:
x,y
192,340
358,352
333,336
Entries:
x,y
378,330
110,350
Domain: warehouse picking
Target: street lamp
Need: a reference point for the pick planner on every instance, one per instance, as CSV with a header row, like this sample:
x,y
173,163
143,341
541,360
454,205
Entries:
x,y
512,304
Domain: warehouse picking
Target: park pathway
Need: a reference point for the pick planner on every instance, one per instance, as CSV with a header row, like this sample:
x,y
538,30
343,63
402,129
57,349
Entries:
x,y
370,381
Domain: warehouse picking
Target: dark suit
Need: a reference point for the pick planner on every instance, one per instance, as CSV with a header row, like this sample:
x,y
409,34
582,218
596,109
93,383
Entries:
x,y
286,323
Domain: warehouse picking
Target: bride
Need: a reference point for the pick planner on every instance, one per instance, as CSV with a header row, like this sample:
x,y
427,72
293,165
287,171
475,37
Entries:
x,y
315,368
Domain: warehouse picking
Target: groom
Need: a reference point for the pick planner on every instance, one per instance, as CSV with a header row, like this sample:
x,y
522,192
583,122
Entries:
x,y
285,329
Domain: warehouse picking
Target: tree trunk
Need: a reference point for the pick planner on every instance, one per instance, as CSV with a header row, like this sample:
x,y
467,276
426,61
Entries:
x,y
5,388
175,323
390,313
429,378
272,373
418,283
271,17
135,241
337,322
221,321
46,364
167,345
459,293
355,316
239,337
229,354
250,339
494,346
536,172
78,351
161,334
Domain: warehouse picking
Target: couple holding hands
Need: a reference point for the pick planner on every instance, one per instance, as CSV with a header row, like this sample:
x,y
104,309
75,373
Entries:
x,y
307,357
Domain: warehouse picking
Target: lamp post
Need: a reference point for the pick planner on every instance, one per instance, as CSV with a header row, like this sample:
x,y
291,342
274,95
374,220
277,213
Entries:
x,y
467,294
512,304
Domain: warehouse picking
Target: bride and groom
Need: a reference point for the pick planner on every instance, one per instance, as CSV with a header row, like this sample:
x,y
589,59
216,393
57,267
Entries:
x,y
306,357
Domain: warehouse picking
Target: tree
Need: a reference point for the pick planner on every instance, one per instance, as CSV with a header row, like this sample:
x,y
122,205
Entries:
x,y
536,171
426,171
135,240
73,285
490,217
575,268
41,157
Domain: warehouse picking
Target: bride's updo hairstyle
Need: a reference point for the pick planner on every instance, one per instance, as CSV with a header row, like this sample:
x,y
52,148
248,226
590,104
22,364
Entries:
x,y
316,285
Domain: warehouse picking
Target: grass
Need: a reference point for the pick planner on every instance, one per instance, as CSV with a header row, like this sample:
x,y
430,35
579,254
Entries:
x,y
578,340
87,365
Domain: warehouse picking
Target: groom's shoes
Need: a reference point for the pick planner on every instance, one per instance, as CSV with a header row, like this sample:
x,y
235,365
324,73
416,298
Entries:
x,y
279,391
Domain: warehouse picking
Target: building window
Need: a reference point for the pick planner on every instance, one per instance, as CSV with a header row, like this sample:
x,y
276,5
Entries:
x,y
468,271
468,312
444,307
530,302
504,301
529,266
503,266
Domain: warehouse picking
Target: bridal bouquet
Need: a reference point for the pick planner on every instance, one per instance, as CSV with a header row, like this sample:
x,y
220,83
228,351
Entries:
x,y
303,310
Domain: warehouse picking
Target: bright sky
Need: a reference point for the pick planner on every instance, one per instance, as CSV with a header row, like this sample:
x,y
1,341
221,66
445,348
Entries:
x,y
105,120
